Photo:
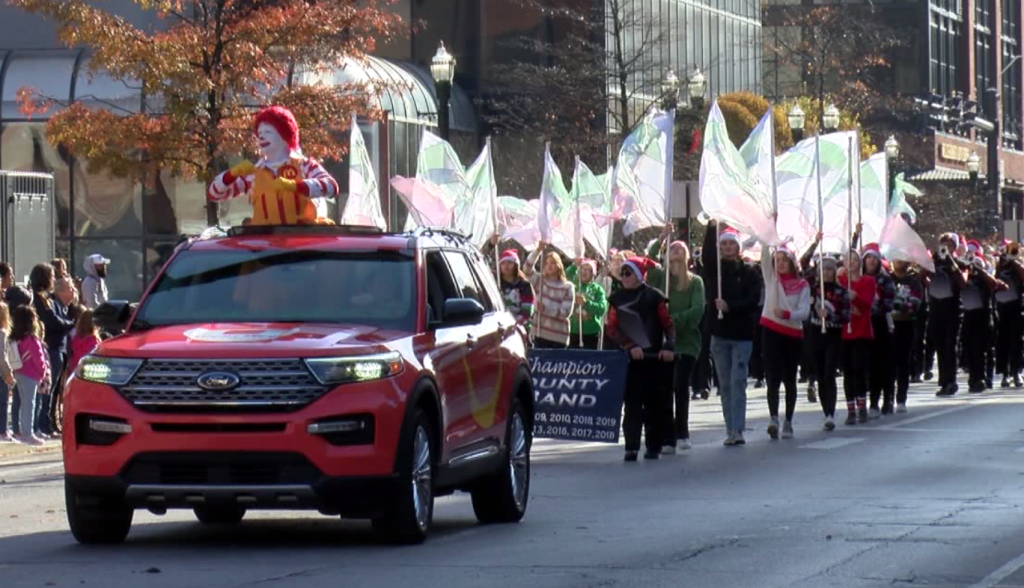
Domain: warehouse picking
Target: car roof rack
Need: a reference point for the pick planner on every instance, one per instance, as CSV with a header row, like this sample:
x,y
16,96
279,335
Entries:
x,y
265,230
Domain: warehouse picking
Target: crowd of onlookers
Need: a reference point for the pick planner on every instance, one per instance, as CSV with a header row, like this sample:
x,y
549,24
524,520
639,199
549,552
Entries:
x,y
46,328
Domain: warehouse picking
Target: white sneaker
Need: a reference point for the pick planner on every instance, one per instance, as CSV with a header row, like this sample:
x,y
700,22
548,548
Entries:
x,y
683,445
730,440
787,430
668,450
830,424
773,428
30,441
901,407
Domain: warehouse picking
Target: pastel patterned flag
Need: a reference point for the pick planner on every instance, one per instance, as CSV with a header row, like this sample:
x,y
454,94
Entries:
x,y
757,153
644,168
475,212
363,204
554,204
874,204
899,242
899,204
727,191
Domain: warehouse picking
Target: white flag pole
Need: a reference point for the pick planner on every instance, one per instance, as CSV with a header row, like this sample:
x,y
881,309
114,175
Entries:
x,y
718,259
578,245
851,232
611,230
494,209
669,169
775,188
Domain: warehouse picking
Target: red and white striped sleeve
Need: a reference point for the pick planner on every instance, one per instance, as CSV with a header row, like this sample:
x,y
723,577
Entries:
x,y
318,182
226,186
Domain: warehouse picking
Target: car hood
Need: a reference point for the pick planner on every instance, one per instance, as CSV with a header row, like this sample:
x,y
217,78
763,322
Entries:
x,y
231,340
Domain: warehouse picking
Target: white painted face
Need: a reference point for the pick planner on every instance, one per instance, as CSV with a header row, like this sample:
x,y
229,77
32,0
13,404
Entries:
x,y
272,146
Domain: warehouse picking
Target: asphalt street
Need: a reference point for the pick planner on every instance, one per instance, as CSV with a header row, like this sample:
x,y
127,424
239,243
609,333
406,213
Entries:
x,y
929,498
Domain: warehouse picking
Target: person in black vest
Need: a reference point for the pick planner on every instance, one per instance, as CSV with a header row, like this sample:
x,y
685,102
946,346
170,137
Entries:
x,y
638,322
976,297
1010,271
944,311
905,309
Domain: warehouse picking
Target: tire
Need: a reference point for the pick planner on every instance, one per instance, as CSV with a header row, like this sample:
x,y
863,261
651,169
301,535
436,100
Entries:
x,y
105,523
408,521
219,516
503,496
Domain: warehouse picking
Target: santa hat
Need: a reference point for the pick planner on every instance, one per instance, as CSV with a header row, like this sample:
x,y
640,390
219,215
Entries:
x,y
591,264
785,251
729,234
510,255
283,121
950,237
873,250
1006,245
639,266
974,247
829,262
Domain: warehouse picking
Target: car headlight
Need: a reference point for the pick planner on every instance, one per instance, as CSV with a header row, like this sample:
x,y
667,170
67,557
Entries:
x,y
115,371
358,368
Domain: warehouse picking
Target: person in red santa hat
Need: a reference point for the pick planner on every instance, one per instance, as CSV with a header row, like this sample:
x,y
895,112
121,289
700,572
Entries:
x,y
882,373
977,297
516,290
733,318
787,304
284,186
639,322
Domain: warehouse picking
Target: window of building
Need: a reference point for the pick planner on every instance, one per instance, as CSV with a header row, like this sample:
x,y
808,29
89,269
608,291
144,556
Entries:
x,y
983,68
945,23
1011,80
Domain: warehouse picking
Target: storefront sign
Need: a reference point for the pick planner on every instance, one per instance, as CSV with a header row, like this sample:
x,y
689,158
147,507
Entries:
x,y
578,394
951,152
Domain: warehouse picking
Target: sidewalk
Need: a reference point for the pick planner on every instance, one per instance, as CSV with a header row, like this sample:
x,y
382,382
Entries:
x,y
16,452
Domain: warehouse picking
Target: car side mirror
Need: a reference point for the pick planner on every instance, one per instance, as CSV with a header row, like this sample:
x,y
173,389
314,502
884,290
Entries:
x,y
462,312
112,316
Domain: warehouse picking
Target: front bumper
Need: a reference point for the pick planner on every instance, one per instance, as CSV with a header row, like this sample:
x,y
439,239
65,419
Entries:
x,y
355,497
239,434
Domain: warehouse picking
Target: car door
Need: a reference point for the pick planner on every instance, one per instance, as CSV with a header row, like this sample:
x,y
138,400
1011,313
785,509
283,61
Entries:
x,y
479,404
446,353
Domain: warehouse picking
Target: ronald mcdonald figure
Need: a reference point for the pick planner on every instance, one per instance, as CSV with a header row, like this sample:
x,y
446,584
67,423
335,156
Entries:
x,y
284,187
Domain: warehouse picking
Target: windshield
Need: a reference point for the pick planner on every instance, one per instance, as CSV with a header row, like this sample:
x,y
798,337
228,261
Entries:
x,y
365,288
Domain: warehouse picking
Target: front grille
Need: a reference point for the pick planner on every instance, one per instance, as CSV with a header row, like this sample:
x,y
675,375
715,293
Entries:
x,y
222,469
265,384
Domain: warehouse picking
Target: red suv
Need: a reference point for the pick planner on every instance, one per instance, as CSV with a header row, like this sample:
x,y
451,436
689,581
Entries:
x,y
339,369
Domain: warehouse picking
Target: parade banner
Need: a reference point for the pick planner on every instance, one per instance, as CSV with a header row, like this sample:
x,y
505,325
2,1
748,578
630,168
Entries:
x,y
578,394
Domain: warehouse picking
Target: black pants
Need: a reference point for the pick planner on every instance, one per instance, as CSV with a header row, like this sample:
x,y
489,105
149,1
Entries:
x,y
647,401
781,362
539,343
855,368
679,426
589,341
917,358
977,337
1008,341
827,349
882,378
902,349
756,367
808,364
944,330
45,405
703,372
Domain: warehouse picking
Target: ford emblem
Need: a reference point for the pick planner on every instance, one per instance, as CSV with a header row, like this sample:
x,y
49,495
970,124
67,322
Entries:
x,y
218,381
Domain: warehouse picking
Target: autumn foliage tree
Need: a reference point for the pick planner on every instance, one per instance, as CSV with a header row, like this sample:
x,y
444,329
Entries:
x,y
203,70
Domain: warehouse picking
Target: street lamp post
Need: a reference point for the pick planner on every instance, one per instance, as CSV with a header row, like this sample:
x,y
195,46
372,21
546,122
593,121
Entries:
x,y
830,118
797,118
973,168
892,157
697,86
442,69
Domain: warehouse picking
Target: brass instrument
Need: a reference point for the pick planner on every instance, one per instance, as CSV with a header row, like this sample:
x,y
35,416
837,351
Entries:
x,y
943,252
1013,253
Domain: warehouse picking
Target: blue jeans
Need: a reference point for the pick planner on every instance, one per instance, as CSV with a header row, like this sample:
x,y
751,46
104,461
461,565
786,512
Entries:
x,y
731,363
27,388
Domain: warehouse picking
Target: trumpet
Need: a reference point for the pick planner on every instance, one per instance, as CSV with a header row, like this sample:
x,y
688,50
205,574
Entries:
x,y
704,218
943,252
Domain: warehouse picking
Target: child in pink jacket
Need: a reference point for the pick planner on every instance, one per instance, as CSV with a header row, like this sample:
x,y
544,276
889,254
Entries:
x,y
33,377
84,339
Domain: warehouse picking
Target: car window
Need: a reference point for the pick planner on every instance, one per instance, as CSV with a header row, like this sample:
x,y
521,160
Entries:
x,y
371,288
485,275
468,285
440,286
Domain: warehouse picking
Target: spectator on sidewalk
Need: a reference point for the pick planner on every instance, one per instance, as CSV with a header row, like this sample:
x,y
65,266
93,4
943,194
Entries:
x,y
53,314
94,286
84,339
6,372
732,324
33,377
60,268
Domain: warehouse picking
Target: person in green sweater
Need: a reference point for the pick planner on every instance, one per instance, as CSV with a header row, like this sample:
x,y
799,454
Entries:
x,y
686,307
591,304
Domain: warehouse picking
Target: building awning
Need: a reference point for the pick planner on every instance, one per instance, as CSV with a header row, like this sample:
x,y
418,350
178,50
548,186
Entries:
x,y
943,174
407,91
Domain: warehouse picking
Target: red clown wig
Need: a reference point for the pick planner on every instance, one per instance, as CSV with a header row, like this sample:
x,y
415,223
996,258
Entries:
x,y
283,121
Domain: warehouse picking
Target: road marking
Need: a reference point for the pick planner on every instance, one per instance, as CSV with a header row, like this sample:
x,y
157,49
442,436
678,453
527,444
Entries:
x,y
833,443
1002,573
928,416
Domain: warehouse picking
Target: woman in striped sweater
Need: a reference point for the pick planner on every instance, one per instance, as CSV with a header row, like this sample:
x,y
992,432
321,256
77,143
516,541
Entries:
x,y
554,303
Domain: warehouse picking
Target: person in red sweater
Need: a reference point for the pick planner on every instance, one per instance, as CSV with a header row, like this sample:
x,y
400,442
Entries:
x,y
857,337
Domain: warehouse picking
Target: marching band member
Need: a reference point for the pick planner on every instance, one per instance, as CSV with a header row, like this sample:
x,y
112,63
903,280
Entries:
x,y
857,338
905,309
976,297
944,311
882,375
1010,271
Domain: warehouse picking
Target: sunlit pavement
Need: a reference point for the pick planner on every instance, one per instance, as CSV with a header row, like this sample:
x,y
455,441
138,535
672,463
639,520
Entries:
x,y
932,497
